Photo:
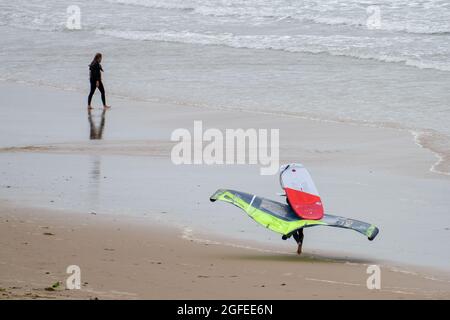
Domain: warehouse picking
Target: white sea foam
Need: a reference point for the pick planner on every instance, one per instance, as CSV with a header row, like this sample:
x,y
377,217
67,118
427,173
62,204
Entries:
x,y
424,17
337,45
439,145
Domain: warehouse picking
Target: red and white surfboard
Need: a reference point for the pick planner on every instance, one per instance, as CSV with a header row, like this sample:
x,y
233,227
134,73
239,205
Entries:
x,y
301,191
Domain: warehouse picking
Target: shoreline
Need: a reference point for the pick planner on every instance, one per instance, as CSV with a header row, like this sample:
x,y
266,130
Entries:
x,y
442,157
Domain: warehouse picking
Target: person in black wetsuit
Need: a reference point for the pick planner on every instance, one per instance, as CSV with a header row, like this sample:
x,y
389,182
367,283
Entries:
x,y
95,77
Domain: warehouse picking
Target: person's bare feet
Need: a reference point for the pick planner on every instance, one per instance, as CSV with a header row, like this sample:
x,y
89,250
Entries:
x,y
106,107
90,108
299,249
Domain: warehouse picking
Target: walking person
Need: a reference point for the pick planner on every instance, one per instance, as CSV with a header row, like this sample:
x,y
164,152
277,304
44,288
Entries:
x,y
95,77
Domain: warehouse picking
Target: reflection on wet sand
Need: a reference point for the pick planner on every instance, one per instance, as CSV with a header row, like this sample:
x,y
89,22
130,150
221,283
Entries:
x,y
96,133
94,183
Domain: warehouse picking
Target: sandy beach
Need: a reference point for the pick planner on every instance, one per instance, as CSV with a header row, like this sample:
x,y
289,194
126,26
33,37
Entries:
x,y
140,227
129,258
354,91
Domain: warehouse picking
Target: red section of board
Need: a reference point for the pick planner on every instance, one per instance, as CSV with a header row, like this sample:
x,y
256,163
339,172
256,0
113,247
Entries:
x,y
305,205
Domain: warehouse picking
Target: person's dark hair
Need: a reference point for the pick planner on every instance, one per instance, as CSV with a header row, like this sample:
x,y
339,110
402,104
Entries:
x,y
97,58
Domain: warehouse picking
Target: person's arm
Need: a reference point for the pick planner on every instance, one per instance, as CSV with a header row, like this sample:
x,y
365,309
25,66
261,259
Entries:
x,y
100,70
97,68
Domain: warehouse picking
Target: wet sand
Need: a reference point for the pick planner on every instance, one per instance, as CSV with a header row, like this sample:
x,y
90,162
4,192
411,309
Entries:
x,y
140,243
128,258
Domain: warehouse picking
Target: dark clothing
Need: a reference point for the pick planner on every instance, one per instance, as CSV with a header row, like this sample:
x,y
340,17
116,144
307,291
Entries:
x,y
298,236
95,71
100,87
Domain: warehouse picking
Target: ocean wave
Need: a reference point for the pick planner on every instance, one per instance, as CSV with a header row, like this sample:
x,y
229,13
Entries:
x,y
156,4
33,18
332,45
433,21
329,13
385,25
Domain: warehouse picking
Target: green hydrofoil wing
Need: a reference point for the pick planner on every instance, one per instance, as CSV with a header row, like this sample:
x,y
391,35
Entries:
x,y
282,219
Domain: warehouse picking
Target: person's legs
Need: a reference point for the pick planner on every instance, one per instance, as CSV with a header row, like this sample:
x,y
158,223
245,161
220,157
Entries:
x,y
91,93
298,236
102,91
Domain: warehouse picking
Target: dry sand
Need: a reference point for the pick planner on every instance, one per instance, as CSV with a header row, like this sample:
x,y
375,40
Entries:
x,y
126,258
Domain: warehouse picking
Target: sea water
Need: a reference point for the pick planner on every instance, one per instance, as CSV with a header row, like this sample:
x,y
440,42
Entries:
x,y
383,63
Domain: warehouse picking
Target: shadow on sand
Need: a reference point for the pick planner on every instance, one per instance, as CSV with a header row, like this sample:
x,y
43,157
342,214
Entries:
x,y
294,258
